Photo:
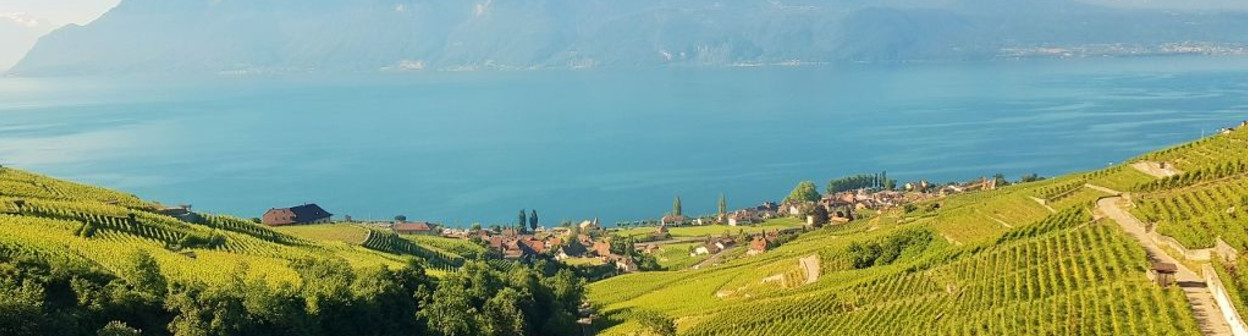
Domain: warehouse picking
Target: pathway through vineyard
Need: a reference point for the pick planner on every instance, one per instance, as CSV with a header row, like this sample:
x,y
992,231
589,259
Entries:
x,y
1198,295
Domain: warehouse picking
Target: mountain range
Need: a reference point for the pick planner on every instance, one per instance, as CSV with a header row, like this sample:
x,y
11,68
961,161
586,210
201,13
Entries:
x,y
235,36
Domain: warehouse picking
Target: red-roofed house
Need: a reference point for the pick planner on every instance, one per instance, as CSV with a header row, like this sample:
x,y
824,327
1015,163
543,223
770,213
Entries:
x,y
415,228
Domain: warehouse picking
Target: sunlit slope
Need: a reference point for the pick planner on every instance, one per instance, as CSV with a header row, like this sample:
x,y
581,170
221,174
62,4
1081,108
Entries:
x,y
1023,259
46,216
1205,202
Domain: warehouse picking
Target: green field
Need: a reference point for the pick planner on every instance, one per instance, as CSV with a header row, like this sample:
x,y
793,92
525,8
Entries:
x,y
714,230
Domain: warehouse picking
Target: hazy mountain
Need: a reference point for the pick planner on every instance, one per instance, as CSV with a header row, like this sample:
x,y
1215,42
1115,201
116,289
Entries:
x,y
18,33
374,35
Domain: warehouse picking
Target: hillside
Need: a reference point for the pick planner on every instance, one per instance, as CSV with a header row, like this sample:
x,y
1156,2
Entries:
x,y
1027,259
75,257
211,36
1066,255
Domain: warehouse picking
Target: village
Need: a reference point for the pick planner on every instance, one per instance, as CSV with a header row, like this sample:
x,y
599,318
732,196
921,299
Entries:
x,y
672,241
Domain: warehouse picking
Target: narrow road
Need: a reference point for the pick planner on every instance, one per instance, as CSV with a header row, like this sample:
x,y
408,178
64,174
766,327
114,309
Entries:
x,y
1210,318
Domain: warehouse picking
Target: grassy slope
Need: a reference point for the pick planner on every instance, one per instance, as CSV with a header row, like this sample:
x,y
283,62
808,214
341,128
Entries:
x,y
54,211
966,282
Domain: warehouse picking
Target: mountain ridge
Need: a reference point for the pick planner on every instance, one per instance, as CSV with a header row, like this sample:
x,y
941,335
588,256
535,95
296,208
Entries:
x,y
202,36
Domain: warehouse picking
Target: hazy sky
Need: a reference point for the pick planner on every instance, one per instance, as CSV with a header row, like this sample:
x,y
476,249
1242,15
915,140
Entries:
x,y
59,12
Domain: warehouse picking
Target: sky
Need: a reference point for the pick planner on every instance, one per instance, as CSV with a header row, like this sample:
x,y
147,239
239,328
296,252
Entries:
x,y
22,22
59,12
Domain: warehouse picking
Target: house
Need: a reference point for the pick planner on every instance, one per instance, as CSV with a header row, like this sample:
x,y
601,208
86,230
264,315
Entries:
x,y
794,209
758,246
303,214
588,225
742,217
625,264
674,220
517,250
722,243
648,248
601,249
415,228
181,212
574,249
554,241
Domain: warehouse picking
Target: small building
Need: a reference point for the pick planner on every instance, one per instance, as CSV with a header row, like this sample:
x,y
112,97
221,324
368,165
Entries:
x,y
181,212
602,249
625,264
589,225
415,228
574,249
298,215
742,217
1164,272
674,220
758,246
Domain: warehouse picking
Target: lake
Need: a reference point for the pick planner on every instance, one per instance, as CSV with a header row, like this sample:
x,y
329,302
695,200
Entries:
x,y
617,144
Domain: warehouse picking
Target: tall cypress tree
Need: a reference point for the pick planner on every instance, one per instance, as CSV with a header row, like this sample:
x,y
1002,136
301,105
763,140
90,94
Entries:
x,y
723,204
676,211
523,221
533,220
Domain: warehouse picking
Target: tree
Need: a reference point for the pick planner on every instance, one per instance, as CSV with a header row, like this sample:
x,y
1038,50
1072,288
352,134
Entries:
x,y
118,328
676,210
476,227
145,275
1033,177
1000,180
400,218
723,205
533,220
21,307
505,312
804,192
524,222
655,323
820,215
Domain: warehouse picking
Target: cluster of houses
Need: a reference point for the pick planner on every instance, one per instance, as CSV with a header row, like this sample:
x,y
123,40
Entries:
x,y
1228,130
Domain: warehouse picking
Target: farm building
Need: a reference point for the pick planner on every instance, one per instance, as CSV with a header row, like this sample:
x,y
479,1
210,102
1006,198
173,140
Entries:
x,y
303,214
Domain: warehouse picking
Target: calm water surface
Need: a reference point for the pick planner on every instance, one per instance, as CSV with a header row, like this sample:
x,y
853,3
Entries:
x,y
616,144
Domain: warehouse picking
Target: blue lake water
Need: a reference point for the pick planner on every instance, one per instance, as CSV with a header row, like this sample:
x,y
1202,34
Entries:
x,y
459,148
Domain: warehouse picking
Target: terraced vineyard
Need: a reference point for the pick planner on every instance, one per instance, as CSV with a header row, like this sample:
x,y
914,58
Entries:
x,y
1002,263
50,217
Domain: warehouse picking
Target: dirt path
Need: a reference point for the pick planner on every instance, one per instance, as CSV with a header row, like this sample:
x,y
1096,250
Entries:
x,y
1198,295
1155,169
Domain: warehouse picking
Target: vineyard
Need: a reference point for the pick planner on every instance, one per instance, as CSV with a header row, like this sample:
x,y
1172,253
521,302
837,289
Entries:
x,y
64,220
999,263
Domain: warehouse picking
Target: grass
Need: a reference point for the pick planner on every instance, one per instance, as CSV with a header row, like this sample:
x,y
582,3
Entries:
x,y
676,256
715,230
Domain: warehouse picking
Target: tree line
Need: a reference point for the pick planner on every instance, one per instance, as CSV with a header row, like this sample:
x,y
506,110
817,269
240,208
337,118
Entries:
x,y
47,295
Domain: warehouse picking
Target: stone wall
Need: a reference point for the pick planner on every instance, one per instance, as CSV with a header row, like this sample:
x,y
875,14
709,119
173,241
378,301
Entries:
x,y
1189,254
1223,299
